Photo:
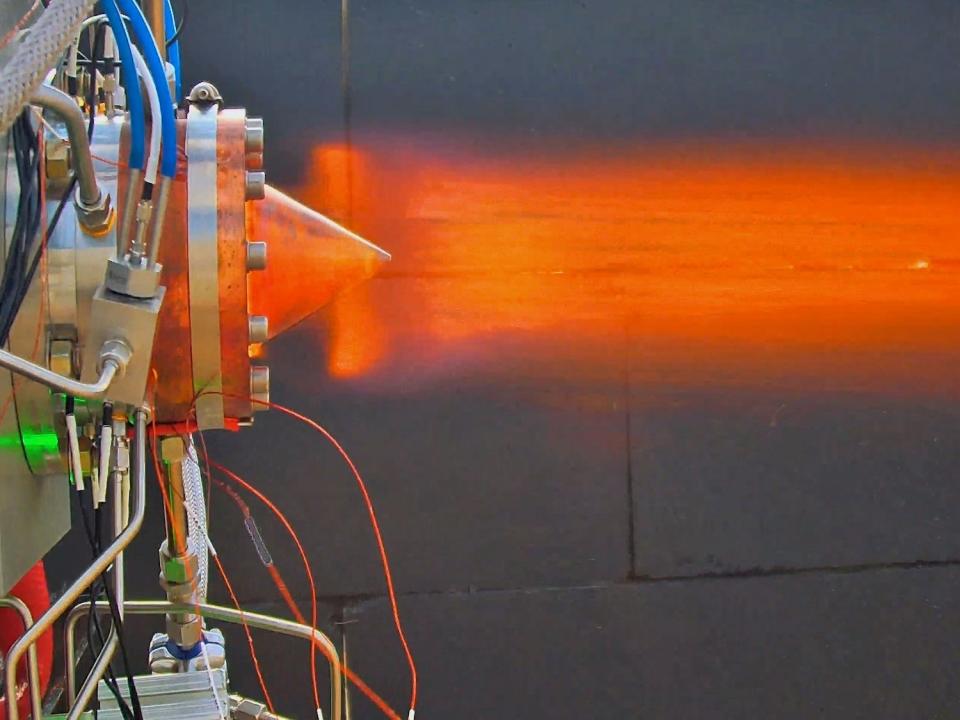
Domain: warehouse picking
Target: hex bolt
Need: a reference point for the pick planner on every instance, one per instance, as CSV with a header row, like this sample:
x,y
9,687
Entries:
x,y
256,256
256,185
259,328
259,380
253,139
259,387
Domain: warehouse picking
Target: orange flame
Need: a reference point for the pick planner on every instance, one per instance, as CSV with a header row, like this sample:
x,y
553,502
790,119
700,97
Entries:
x,y
739,262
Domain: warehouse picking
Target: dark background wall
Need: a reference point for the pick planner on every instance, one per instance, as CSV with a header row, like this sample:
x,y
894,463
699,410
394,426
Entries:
x,y
586,538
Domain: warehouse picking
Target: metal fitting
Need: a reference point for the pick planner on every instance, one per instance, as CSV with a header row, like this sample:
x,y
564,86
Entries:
x,y
57,159
259,380
259,328
256,256
253,138
142,217
172,449
62,357
205,93
97,218
256,185
260,387
185,634
115,351
132,278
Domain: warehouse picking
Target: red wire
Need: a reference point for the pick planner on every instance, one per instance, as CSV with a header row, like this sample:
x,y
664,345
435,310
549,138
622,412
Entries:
x,y
376,531
246,629
223,574
350,674
373,522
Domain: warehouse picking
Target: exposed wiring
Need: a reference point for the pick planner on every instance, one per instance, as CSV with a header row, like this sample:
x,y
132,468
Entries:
x,y
253,652
168,510
131,85
172,38
185,10
350,674
168,162
391,592
368,502
153,157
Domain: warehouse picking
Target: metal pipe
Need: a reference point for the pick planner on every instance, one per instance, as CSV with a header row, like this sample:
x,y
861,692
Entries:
x,y
89,576
223,614
134,181
172,452
154,10
97,671
33,670
91,391
49,98
159,214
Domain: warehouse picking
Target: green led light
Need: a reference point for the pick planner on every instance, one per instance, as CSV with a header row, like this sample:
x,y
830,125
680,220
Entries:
x,y
36,445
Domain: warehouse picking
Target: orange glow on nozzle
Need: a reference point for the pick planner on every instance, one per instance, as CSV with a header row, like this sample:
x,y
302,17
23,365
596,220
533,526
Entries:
x,y
310,259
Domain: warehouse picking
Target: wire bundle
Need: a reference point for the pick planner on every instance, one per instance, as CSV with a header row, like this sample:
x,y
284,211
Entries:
x,y
22,246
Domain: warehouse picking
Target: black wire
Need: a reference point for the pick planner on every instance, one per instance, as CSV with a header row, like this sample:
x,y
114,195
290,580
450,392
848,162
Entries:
x,y
183,20
93,618
29,213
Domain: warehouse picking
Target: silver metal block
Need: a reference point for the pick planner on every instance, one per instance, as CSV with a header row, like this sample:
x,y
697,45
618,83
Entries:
x,y
172,696
133,320
133,279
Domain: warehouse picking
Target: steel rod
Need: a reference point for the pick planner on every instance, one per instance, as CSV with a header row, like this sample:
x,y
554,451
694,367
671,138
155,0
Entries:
x,y
89,576
224,614
33,670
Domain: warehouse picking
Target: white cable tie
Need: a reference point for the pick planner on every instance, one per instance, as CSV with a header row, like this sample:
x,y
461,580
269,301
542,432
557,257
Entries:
x,y
210,547
74,443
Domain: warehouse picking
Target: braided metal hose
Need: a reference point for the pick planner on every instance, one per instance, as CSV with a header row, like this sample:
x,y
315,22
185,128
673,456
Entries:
x,y
35,52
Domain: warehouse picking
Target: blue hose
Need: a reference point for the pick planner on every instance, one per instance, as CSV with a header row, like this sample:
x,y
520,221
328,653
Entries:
x,y
168,156
173,52
131,86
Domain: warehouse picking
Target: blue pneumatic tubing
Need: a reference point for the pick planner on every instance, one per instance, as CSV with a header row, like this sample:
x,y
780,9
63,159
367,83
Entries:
x,y
173,52
168,155
131,86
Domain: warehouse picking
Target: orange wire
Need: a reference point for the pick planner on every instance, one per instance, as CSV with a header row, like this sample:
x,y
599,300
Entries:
x,y
246,629
376,531
350,674
226,581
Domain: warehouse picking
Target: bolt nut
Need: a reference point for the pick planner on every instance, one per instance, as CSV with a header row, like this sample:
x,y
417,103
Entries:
x,y
205,93
259,387
172,449
256,185
98,218
259,328
256,256
58,160
116,351
185,635
248,709
61,357
133,279
253,139
259,380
